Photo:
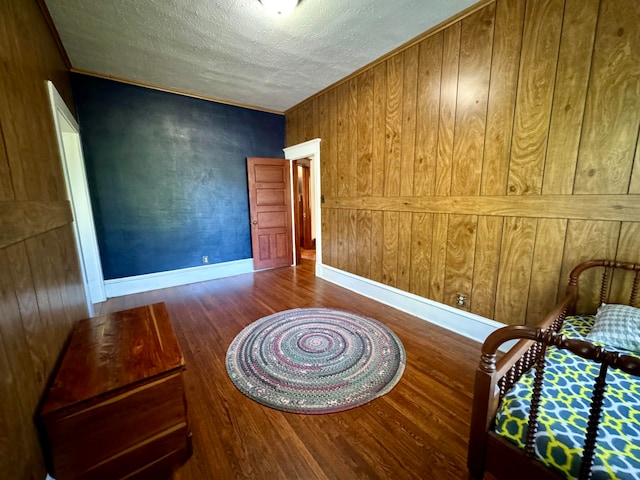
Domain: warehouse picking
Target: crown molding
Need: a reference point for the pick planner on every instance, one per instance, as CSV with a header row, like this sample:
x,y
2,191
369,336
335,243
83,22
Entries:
x,y
172,90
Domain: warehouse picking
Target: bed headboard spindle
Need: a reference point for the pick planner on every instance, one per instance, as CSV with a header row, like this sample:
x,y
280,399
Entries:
x,y
597,399
605,285
633,298
532,424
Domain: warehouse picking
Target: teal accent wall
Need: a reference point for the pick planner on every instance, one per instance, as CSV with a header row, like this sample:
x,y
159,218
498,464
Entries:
x,y
167,174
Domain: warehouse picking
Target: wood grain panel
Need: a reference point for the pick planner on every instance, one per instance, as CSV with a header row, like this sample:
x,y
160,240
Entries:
x,y
10,440
327,236
310,117
438,256
476,38
421,233
6,188
507,41
628,251
39,350
365,132
393,126
329,243
613,102
65,263
329,162
352,247
602,207
485,268
461,245
31,51
572,79
514,275
337,233
390,249
377,245
540,43
48,292
59,293
404,250
17,385
409,100
363,243
448,98
379,129
54,33
343,166
294,127
343,232
352,151
324,120
586,240
634,186
23,220
427,114
546,268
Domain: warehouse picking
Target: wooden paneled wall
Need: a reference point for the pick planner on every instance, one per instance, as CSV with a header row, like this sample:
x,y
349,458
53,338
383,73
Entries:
x,y
488,157
40,283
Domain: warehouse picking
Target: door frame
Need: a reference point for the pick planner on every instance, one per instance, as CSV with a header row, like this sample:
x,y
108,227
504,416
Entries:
x,y
304,181
309,149
75,177
295,221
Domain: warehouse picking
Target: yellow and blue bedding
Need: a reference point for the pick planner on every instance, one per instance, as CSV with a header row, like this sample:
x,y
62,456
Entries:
x,y
564,412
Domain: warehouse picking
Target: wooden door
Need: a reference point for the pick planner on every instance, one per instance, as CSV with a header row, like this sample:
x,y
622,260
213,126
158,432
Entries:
x,y
270,209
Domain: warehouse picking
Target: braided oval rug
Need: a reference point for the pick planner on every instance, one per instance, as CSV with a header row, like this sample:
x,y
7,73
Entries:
x,y
315,360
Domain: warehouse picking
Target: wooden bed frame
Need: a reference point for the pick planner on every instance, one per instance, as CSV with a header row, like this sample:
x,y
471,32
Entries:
x,y
489,452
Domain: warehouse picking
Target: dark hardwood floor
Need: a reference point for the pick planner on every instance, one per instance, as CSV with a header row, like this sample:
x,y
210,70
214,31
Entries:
x,y
417,431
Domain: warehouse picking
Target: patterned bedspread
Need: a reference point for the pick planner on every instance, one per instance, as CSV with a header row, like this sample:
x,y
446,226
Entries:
x,y
564,412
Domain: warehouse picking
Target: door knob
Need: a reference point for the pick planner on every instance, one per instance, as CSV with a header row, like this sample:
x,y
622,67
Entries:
x,y
255,222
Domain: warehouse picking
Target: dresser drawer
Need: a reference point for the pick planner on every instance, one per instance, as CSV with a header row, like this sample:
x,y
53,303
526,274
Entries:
x,y
117,406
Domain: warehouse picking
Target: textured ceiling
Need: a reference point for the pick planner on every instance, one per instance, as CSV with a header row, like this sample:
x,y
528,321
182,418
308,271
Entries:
x,y
232,50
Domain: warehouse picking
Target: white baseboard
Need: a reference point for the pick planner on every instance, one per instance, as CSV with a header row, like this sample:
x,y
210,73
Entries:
x,y
463,323
458,321
153,281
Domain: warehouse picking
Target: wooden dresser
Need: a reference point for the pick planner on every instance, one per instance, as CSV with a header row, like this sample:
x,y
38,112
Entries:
x,y
116,407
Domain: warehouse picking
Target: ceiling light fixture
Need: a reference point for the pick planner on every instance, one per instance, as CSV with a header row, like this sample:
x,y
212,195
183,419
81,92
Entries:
x,y
279,8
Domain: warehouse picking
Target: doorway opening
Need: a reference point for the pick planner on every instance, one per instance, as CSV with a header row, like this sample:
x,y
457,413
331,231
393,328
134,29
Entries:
x,y
305,226
308,154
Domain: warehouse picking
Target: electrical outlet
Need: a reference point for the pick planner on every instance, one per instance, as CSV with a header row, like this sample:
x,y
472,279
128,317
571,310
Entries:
x,y
205,259
461,299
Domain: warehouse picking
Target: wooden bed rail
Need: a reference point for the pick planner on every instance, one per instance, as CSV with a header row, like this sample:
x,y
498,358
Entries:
x,y
495,377
587,350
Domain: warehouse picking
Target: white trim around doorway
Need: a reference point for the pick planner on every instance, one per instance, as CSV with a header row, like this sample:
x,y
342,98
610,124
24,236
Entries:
x,y
68,135
311,150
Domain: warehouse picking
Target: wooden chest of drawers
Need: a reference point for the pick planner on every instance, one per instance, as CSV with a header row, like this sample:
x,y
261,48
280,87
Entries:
x,y
116,407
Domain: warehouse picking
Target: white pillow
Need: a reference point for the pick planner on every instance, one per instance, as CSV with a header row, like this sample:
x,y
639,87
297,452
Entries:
x,y
617,326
